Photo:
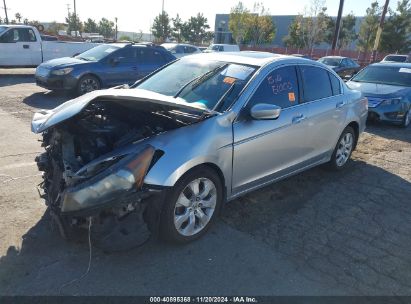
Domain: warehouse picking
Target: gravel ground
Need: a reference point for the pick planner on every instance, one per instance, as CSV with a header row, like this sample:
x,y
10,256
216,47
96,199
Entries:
x,y
317,233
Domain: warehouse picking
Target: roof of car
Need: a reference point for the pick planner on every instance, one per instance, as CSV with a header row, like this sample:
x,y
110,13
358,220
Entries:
x,y
336,57
402,55
393,64
246,57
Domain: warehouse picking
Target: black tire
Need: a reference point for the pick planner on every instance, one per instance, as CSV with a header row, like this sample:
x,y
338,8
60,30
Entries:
x,y
168,230
407,119
333,163
87,84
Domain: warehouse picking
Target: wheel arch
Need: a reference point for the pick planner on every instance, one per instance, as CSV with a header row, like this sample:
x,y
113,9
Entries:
x,y
356,127
91,74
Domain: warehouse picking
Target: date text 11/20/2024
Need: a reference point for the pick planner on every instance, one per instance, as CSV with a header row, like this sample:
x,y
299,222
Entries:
x,y
203,300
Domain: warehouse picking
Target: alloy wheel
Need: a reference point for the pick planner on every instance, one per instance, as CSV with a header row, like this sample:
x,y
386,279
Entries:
x,y
195,206
88,85
344,149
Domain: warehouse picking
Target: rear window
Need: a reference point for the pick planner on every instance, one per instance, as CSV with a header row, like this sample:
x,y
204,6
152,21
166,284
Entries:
x,y
399,76
396,58
316,83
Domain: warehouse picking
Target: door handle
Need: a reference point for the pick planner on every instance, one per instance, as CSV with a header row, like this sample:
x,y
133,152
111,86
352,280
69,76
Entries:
x,y
298,119
26,46
340,104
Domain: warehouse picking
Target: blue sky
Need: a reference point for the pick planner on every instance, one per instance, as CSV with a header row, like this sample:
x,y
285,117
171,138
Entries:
x,y
135,15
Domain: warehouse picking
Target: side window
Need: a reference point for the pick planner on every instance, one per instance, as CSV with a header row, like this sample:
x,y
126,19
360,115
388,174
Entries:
x,y
316,83
24,35
335,84
280,88
125,55
32,36
146,55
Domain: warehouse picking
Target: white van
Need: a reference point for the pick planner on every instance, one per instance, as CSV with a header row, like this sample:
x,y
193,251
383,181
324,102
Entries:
x,y
222,48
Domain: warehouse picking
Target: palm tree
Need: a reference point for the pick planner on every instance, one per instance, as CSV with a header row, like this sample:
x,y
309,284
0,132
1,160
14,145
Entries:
x,y
18,17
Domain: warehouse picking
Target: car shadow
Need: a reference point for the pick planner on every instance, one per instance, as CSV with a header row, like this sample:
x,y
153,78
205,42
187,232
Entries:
x,y
46,100
389,131
277,216
8,80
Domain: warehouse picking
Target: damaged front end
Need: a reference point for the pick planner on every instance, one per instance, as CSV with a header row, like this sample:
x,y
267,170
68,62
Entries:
x,y
94,167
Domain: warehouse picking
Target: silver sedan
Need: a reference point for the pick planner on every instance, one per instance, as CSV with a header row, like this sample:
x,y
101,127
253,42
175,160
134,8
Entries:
x,y
167,153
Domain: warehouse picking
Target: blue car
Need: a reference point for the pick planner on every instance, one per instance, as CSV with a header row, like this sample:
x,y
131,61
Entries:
x,y
103,66
388,89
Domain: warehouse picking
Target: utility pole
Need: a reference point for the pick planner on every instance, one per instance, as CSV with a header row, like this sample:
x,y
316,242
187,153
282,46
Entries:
x,y
68,10
75,19
5,11
337,27
379,31
162,8
115,38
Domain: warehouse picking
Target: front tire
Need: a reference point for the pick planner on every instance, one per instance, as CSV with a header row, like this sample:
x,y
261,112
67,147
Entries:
x,y
343,149
192,206
87,84
407,119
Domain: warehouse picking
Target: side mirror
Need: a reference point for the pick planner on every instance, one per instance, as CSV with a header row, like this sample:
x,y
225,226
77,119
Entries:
x,y
263,111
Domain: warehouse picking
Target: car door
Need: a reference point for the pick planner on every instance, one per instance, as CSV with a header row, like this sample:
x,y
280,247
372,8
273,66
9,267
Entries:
x,y
20,47
264,150
120,67
327,110
148,60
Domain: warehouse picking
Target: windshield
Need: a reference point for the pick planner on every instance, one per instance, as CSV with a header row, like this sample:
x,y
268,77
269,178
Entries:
x,y
330,61
97,53
399,76
214,84
2,29
217,48
396,58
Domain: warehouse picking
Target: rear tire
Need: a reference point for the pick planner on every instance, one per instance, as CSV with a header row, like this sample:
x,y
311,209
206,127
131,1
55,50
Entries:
x,y
192,206
343,149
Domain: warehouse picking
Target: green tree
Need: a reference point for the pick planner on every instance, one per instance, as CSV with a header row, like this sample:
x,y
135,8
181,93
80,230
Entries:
x,y
90,26
125,38
18,17
238,22
347,31
73,23
260,27
26,21
397,30
294,38
368,29
161,27
195,29
106,28
177,27
309,29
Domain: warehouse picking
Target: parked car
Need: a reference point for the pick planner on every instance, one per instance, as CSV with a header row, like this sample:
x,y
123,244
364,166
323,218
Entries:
x,y
388,89
106,65
302,56
181,49
204,130
397,58
343,66
22,45
222,48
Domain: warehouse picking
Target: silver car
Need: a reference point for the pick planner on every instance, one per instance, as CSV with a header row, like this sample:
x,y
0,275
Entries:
x,y
166,154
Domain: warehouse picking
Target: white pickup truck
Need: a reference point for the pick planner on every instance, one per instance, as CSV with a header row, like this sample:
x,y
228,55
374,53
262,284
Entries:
x,y
21,45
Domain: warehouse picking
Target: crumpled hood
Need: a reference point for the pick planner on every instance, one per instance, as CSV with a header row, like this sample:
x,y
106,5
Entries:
x,y
377,89
45,119
63,62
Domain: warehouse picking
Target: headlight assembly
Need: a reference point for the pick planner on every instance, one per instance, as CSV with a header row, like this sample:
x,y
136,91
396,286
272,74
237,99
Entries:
x,y
127,175
62,71
389,102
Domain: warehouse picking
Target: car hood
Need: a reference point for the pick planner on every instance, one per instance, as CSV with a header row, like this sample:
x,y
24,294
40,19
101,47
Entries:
x,y
45,119
378,90
63,62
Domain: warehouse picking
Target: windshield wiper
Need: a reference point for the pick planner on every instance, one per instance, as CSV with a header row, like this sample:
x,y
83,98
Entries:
x,y
200,79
